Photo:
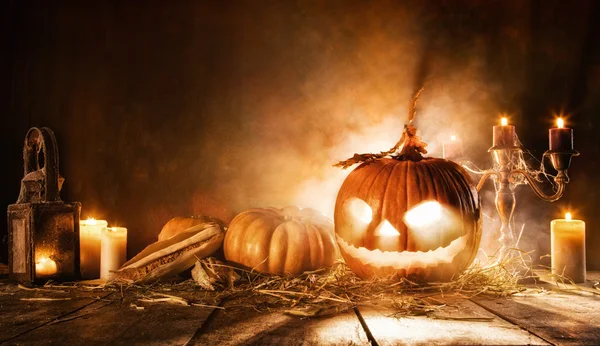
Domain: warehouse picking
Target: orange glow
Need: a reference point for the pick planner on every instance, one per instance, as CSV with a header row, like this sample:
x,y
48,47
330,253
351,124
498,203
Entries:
x,y
453,138
45,266
90,221
560,123
504,121
360,210
568,216
423,215
386,229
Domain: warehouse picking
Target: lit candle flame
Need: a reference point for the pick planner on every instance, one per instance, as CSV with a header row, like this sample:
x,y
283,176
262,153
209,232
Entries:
x,y
568,216
504,121
90,221
560,122
453,138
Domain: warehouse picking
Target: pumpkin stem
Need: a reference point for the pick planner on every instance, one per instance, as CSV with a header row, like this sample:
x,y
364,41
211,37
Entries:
x,y
411,144
412,147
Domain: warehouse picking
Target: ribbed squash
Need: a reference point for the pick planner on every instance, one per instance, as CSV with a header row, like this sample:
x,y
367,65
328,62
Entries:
x,y
280,241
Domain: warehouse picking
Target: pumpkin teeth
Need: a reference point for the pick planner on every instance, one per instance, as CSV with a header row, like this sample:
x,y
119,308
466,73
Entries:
x,y
405,259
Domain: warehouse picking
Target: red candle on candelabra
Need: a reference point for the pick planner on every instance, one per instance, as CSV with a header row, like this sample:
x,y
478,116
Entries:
x,y
504,135
561,137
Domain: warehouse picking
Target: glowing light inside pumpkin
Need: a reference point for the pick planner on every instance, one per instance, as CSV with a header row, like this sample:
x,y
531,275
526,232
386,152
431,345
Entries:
x,y
568,216
424,215
504,121
453,138
386,229
360,210
560,122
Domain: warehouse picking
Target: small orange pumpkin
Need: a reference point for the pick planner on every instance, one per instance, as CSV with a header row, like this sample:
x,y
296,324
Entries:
x,y
281,241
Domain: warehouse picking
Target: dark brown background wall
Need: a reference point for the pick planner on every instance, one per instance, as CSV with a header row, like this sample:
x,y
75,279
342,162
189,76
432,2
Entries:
x,y
185,107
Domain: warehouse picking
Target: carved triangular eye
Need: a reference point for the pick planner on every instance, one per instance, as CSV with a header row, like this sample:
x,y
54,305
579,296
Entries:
x,y
386,229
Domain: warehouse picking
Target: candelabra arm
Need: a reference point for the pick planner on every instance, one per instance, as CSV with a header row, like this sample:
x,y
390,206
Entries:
x,y
485,176
560,181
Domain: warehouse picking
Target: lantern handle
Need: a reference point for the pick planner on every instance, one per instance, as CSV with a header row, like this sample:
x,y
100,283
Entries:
x,y
43,140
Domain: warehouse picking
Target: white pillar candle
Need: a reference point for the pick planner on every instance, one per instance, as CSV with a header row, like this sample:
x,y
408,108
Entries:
x,y
89,246
114,250
567,244
44,266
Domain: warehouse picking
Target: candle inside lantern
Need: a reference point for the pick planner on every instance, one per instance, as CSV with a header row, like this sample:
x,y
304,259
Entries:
x,y
567,242
114,250
89,239
452,149
504,135
561,137
44,266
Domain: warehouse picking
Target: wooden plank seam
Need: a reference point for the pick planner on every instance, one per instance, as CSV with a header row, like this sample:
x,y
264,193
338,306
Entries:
x,y
365,327
513,322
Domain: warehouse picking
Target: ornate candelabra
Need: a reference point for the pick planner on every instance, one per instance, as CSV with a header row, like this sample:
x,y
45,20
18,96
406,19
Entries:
x,y
510,171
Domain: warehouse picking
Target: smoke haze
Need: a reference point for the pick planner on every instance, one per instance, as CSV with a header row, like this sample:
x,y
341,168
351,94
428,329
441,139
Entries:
x,y
210,108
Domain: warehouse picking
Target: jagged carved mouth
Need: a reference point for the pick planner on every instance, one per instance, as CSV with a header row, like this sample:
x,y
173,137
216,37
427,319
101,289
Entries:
x,y
405,259
428,222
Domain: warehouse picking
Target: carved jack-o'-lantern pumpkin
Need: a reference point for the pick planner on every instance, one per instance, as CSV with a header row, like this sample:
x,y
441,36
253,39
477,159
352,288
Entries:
x,y
405,215
408,218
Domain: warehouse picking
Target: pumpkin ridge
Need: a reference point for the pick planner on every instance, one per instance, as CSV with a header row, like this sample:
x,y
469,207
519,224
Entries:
x,y
368,197
415,172
449,193
240,227
463,179
271,247
469,226
328,243
312,237
291,257
403,179
280,234
250,236
327,254
411,189
388,193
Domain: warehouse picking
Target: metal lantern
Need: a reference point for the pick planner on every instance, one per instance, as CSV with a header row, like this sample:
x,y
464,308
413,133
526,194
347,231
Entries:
x,y
43,231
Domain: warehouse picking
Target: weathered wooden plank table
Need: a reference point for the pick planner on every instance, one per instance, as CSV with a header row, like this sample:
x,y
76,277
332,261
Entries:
x,y
548,314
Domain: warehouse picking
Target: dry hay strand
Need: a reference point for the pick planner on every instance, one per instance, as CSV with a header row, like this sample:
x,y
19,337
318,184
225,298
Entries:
x,y
334,290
